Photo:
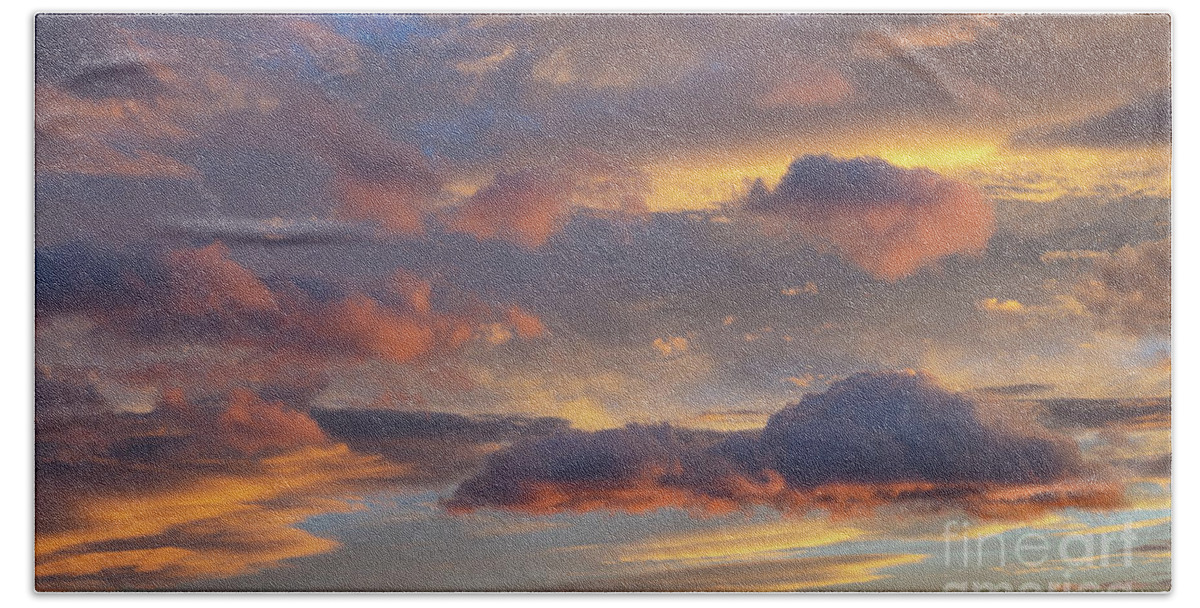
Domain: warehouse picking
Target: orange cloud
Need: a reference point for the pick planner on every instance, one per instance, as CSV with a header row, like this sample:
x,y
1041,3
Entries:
x,y
395,205
252,425
365,325
671,345
206,280
812,86
527,324
78,135
888,220
522,208
215,524
416,291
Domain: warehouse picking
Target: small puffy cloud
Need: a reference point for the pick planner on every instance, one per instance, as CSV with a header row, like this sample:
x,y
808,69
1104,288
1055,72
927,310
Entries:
x,y
527,206
888,220
253,425
523,208
1145,121
1131,289
517,322
361,323
869,439
801,381
526,324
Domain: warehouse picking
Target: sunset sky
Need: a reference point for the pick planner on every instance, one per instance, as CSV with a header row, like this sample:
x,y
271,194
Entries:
x,y
602,302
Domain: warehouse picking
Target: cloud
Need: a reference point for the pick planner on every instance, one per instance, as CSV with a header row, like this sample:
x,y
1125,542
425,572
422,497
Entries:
x,y
204,295
871,439
527,324
636,469
185,491
253,425
941,31
812,86
1105,413
997,305
211,523
103,136
156,101
888,427
436,447
1145,121
529,204
75,277
206,281
349,424
888,220
57,398
1014,390
788,574
523,208
273,231
1130,290
671,345
1059,307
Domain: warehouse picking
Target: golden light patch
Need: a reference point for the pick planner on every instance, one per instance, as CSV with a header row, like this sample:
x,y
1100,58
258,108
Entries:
x,y
216,525
741,541
704,182
998,305
939,156
1101,530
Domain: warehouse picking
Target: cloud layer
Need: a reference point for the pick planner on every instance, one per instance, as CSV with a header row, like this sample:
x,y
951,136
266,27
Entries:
x,y
1145,121
1130,290
870,439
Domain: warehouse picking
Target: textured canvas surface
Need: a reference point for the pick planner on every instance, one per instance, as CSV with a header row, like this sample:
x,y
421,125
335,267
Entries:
x,y
603,303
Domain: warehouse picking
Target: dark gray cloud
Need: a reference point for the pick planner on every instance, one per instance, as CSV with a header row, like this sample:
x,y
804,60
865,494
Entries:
x,y
874,428
881,430
1014,390
1145,121
268,232
75,277
1102,413
352,424
57,398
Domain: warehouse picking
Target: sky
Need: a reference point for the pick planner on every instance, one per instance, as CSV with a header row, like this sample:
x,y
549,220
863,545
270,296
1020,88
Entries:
x,y
652,302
